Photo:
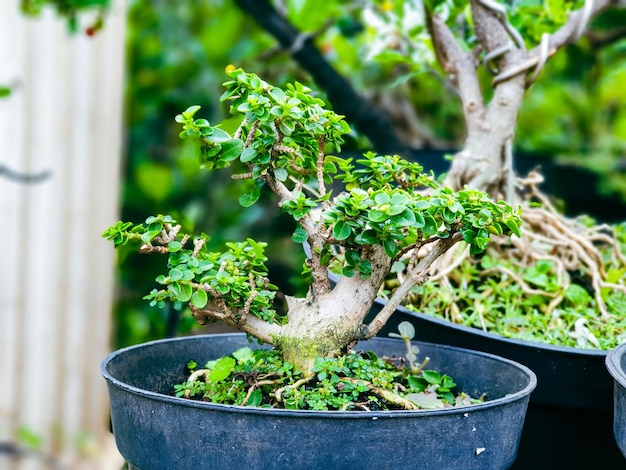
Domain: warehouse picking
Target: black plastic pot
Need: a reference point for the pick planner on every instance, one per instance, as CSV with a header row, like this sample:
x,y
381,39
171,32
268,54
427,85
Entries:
x,y
570,416
616,365
154,430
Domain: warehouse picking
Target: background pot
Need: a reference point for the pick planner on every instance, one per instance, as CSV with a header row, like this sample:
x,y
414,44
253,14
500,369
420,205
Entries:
x,y
570,416
616,365
156,431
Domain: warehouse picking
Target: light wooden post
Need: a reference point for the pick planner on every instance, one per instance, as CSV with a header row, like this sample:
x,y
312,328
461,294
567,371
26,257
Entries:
x,y
63,118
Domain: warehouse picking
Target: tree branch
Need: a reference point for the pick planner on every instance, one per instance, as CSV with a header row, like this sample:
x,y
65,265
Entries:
x,y
320,276
248,323
371,122
568,33
459,65
416,277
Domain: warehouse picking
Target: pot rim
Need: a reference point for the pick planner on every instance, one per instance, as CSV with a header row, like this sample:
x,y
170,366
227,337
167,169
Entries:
x,y
614,364
520,394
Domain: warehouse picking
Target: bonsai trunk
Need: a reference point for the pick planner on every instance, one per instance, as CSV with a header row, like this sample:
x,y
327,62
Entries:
x,y
485,163
328,324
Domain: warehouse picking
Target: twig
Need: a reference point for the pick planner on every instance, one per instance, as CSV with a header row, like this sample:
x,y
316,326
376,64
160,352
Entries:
x,y
415,277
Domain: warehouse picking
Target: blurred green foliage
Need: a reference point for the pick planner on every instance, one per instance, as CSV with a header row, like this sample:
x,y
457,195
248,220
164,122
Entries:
x,y
177,53
71,10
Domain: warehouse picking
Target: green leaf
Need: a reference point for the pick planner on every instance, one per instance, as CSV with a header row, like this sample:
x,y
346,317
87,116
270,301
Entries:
x,y
199,298
244,355
365,268
175,275
231,149
448,383
382,198
185,292
448,215
352,257
468,235
406,330
432,376
248,154
367,237
281,174
218,136
174,246
577,295
191,110
248,199
405,219
513,226
419,220
222,369
287,127
299,235
256,398
341,230
430,226
244,107
416,383
377,216
348,271
391,248
278,94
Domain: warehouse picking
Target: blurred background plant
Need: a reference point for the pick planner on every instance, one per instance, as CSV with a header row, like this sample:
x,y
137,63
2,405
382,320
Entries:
x,y
88,14
177,53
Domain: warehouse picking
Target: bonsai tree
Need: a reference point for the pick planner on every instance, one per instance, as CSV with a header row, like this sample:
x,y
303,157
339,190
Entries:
x,y
389,216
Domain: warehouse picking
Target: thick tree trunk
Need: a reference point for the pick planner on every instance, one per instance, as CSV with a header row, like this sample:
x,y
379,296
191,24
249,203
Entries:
x,y
483,163
327,325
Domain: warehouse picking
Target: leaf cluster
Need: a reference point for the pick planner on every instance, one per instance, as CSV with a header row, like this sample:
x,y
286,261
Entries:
x,y
399,218
235,277
218,149
284,135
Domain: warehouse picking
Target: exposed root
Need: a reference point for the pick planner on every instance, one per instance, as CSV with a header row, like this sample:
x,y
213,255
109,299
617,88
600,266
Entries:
x,y
573,247
256,385
195,376
569,243
279,393
362,405
385,394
